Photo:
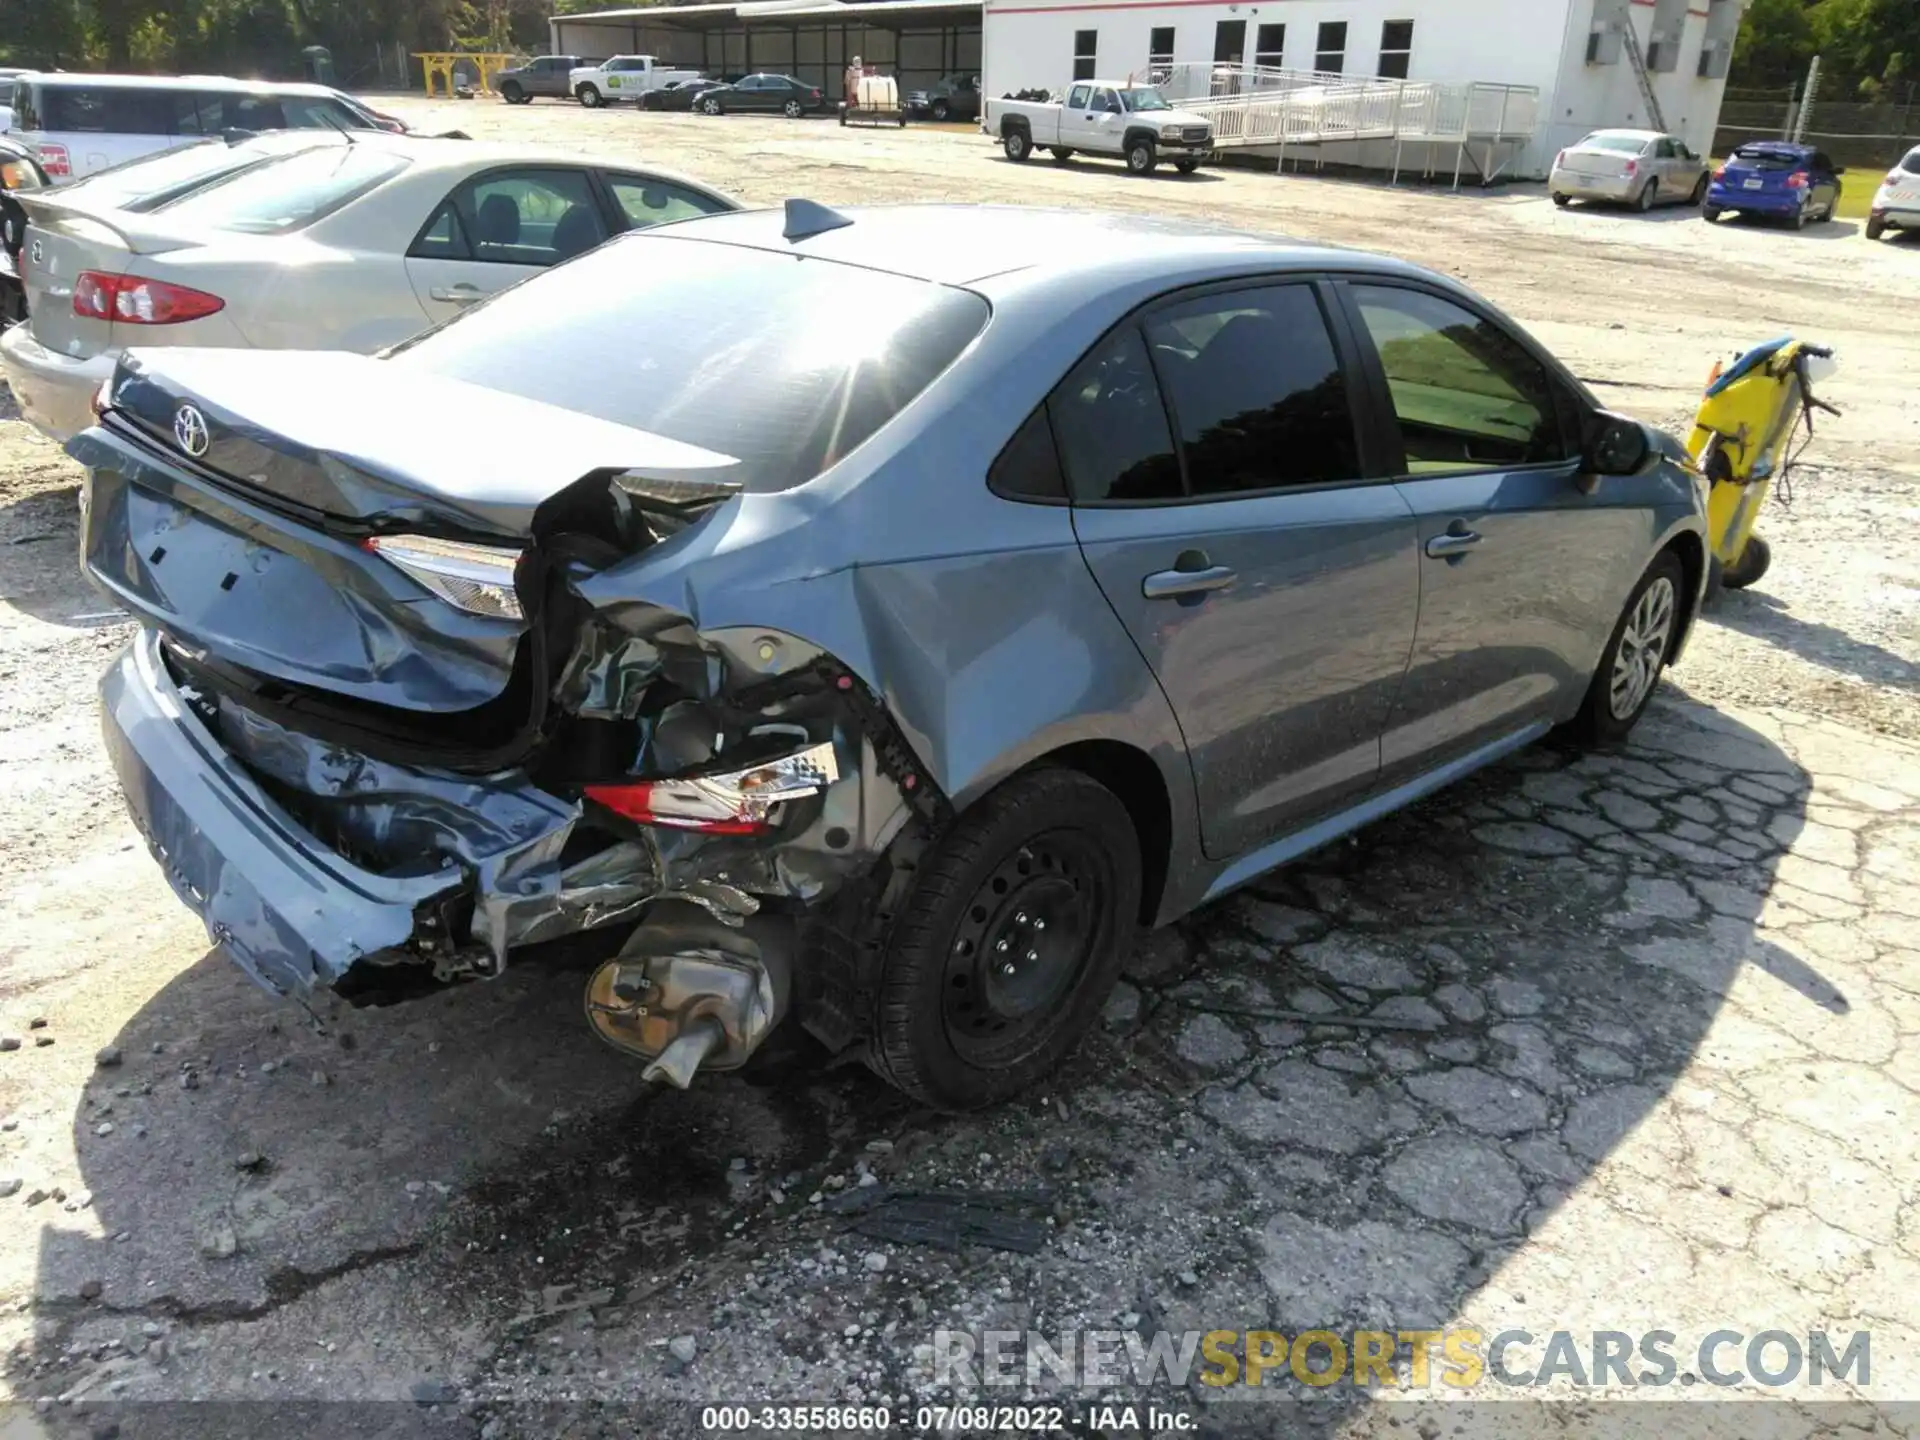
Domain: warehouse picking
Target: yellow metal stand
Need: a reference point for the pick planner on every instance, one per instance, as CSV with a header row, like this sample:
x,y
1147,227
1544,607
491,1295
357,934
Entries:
x,y
438,65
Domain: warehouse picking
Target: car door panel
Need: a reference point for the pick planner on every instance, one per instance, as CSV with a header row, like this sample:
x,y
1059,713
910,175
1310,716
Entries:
x,y
496,229
1277,620
1522,570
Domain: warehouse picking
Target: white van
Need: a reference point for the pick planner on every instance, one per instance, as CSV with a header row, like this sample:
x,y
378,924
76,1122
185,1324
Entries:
x,y
78,124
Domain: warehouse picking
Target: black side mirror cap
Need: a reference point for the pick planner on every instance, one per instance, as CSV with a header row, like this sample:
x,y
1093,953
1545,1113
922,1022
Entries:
x,y
1616,445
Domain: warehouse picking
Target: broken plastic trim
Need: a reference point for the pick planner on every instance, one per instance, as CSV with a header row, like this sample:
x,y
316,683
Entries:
x,y
475,578
743,802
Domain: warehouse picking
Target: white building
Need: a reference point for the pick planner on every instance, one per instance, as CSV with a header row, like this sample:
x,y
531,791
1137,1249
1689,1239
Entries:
x,y
1573,52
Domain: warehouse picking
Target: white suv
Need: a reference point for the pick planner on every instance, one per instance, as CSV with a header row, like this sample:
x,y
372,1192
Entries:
x,y
1896,205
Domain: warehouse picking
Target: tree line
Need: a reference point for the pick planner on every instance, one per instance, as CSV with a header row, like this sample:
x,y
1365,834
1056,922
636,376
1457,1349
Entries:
x,y
1869,49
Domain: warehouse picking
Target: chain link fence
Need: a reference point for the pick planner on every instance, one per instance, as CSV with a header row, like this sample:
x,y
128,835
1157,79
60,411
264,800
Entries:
x,y
1863,133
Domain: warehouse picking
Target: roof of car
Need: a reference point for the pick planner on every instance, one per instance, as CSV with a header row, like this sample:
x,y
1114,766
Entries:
x,y
174,82
1774,147
965,244
1628,134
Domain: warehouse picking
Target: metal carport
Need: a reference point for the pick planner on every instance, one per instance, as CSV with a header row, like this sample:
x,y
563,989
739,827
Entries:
x,y
918,41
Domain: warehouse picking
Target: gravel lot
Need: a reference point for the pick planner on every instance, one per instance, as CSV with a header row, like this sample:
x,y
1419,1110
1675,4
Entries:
x,y
1648,1059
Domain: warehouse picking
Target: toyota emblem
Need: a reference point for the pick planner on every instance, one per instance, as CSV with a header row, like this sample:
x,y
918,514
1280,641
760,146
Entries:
x,y
190,430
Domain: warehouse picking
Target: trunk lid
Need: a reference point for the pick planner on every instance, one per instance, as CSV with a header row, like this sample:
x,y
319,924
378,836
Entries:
x,y
1610,163
354,439
60,243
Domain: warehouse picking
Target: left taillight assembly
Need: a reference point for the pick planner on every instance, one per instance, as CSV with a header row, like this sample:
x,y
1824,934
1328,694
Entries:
x,y
130,300
1797,180
738,802
474,578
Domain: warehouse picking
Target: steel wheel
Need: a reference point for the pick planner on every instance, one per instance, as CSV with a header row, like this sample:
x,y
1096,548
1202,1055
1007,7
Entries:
x,y
942,111
1642,650
1025,938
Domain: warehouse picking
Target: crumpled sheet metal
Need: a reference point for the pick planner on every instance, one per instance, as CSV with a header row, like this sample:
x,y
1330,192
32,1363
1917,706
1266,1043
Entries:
x,y
501,830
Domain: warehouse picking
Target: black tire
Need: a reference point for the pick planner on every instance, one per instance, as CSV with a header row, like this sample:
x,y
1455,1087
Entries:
x,y
589,96
1600,720
513,94
711,107
1751,565
950,1032
1876,227
1649,193
1711,214
1186,167
1142,157
1062,154
1699,196
843,117
1799,221
942,110
1563,201
1018,145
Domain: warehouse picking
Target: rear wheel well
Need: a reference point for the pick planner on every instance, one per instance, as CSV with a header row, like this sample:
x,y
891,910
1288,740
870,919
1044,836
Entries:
x,y
1011,123
1132,776
1692,554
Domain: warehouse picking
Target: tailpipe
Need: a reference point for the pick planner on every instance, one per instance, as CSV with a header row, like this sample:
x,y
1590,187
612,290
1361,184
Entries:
x,y
688,992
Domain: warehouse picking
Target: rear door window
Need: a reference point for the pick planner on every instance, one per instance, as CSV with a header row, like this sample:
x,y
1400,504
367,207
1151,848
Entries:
x,y
254,112
1256,390
1115,443
530,217
647,201
741,354
105,110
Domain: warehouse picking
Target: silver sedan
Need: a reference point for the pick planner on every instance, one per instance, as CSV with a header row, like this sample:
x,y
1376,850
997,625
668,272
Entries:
x,y
325,243
1641,168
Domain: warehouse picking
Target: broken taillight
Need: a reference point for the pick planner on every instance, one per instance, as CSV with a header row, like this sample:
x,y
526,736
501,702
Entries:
x,y
475,578
741,802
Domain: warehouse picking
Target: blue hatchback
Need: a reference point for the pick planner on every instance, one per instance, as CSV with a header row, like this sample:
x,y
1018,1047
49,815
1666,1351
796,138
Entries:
x,y
1775,178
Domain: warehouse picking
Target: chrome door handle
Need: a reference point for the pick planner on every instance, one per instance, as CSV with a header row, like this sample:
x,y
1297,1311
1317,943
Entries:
x,y
1442,547
457,294
1172,584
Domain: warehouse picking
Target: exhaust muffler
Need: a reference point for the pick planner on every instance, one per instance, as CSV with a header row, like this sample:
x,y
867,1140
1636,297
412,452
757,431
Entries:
x,y
688,993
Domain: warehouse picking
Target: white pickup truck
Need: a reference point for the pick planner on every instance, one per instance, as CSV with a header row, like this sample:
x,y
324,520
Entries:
x,y
1103,117
624,77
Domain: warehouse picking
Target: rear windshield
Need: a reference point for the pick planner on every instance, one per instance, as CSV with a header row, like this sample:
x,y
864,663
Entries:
x,y
93,109
1912,163
784,362
287,194
1618,144
154,180
1761,158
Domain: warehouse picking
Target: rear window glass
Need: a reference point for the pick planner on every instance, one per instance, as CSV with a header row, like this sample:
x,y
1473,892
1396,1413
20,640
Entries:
x,y
102,109
1762,158
785,363
287,194
1619,144
152,180
1912,163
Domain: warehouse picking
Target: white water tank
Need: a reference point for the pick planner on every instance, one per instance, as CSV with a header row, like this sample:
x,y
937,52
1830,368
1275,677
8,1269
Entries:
x,y
878,92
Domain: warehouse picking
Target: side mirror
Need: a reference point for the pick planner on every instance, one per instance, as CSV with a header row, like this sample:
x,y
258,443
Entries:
x,y
1616,445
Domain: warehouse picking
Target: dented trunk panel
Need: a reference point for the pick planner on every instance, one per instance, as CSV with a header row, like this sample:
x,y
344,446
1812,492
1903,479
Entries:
x,y
251,587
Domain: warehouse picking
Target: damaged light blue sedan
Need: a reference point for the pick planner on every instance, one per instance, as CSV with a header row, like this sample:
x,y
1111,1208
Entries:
x,y
865,620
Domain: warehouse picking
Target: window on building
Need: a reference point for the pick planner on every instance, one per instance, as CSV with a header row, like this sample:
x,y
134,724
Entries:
x,y
1396,49
1270,47
1160,49
1330,54
1086,47
1230,42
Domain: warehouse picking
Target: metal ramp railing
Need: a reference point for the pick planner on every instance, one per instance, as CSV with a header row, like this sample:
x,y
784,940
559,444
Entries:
x,y
1254,107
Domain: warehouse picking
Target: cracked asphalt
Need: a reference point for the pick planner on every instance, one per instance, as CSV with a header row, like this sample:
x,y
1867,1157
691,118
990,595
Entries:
x,y
1618,1042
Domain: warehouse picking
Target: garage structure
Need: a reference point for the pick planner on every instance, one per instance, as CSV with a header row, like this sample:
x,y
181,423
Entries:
x,y
1517,79
916,41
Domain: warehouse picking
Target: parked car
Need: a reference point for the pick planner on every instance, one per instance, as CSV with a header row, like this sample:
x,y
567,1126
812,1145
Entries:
x,y
7,77
768,94
1775,179
678,94
1641,168
20,172
78,124
342,245
1896,204
951,97
1104,117
892,685
550,75
624,77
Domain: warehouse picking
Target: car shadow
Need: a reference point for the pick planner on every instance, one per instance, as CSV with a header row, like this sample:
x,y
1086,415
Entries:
x,y
1818,230
1347,1097
1754,612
